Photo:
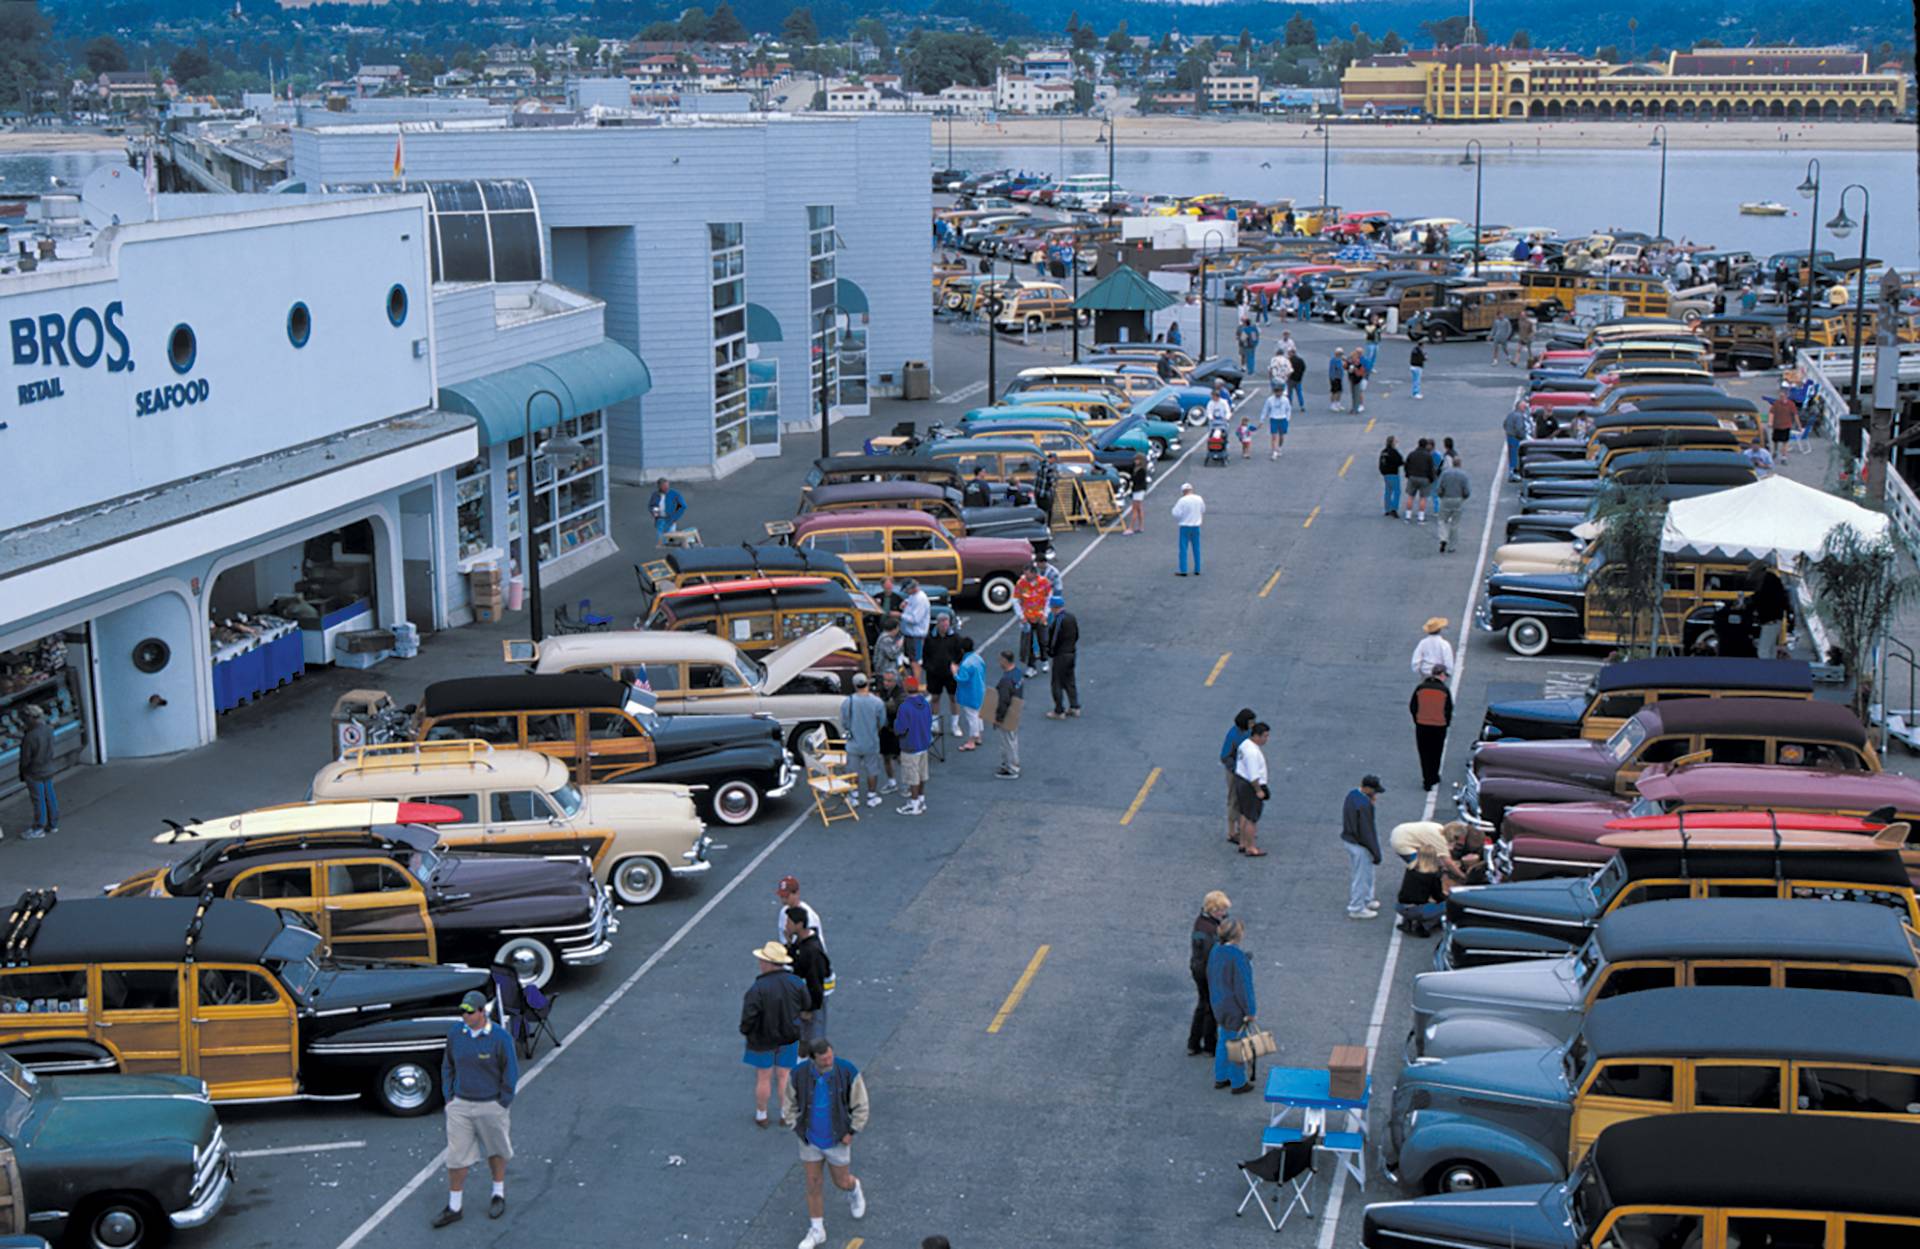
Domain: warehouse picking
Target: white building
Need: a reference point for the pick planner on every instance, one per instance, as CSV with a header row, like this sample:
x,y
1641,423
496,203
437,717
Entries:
x,y
1016,93
857,97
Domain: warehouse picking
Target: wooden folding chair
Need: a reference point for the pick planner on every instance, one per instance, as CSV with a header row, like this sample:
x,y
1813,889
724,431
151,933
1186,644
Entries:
x,y
831,785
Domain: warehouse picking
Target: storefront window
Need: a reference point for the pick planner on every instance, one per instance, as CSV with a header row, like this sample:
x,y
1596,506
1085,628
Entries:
x,y
569,508
763,401
470,482
822,246
730,398
37,674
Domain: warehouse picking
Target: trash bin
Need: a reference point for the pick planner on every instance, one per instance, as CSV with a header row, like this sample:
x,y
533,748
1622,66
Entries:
x,y
916,382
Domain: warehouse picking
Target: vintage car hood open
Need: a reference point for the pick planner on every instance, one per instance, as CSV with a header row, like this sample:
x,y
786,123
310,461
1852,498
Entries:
x,y
1526,1216
783,666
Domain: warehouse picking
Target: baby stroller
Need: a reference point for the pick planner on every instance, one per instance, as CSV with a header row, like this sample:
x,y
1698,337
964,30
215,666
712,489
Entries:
x,y
1217,446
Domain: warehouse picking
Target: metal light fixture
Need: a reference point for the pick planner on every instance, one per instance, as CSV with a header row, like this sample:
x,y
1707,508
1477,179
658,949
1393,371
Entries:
x,y
564,452
1808,187
1466,159
1842,225
1654,142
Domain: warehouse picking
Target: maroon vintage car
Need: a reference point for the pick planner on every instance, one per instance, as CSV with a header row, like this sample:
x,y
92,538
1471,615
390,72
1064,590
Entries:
x,y
1562,839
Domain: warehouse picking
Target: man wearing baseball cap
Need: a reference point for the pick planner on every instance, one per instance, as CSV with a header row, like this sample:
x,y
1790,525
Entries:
x,y
914,723
1363,846
478,1073
770,1022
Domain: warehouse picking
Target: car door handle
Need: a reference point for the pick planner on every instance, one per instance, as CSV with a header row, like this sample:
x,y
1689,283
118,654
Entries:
x,y
106,1023
197,1019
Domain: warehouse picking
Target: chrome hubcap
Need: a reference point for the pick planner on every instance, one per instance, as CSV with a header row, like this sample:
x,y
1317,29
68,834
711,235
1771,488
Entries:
x,y
639,878
1460,1180
407,1086
734,801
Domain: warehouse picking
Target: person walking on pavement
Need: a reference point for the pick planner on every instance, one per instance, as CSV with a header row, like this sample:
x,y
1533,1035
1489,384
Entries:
x,y
1032,592
891,696
1500,335
1250,768
1432,650
1063,643
1416,365
1357,381
1390,463
1518,427
1419,480
914,725
1523,340
1220,408
787,890
1431,707
1188,511
1008,693
37,771
1279,371
1451,493
667,506
826,1106
861,716
1362,842
916,620
1277,413
1336,377
479,1073
1137,481
970,692
1230,994
1203,1034
1297,382
1237,732
814,970
942,653
770,1022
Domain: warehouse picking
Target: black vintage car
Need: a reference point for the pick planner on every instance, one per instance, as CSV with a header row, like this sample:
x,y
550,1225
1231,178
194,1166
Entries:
x,y
229,992
1716,470
1608,431
1690,1181
115,1161
1691,436
388,893
1622,689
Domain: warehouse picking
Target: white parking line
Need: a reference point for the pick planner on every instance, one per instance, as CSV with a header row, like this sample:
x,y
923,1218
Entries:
x,y
280,1150
1376,1024
964,393
439,1160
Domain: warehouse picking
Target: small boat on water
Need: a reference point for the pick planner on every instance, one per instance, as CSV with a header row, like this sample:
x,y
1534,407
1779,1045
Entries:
x,y
1764,208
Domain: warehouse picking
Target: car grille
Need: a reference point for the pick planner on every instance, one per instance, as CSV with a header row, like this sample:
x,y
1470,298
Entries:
x,y
1467,797
212,1163
593,932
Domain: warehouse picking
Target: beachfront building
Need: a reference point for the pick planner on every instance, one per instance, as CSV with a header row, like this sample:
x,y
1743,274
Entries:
x,y
1017,93
1048,65
1227,92
735,255
1711,84
211,480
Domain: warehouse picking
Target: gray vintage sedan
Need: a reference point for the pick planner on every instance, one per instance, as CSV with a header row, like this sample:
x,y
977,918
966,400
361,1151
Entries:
x,y
1782,943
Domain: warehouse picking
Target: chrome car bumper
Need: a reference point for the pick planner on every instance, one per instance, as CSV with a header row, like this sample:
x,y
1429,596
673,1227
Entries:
x,y
789,776
694,861
592,941
212,1184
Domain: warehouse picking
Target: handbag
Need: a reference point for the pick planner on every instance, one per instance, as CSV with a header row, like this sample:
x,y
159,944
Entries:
x,y
1254,1045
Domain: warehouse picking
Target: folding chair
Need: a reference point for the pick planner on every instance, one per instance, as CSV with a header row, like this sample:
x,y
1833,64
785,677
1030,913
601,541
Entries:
x,y
832,786
1286,1163
523,1010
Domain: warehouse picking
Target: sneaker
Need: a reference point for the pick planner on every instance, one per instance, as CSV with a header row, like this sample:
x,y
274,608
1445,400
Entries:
x,y
1073,712
912,808
1373,908
1274,456
891,786
814,1239
1361,914
34,834
1056,715
1046,665
858,1201
1032,671
874,800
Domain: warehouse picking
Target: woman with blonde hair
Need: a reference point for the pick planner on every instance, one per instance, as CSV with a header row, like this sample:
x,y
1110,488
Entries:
x,y
1203,1033
1230,993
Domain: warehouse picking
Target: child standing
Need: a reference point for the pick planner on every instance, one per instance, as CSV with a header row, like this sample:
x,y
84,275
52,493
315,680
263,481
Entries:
x,y
1246,437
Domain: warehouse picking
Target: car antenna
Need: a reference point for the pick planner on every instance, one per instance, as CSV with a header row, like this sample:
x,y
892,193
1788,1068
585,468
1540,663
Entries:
x,y
1773,819
15,920
1681,825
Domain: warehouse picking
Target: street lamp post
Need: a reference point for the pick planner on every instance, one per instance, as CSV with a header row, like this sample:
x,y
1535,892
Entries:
x,y
1660,139
565,453
1842,226
1810,189
949,138
1326,170
828,316
993,337
1210,234
1476,156
1073,262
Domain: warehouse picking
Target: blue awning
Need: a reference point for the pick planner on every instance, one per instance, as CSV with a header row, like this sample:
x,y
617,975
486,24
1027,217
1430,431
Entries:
x,y
585,380
850,297
762,325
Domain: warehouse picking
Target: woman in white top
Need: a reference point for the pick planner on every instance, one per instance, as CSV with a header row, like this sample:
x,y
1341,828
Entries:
x,y
1250,788
1433,651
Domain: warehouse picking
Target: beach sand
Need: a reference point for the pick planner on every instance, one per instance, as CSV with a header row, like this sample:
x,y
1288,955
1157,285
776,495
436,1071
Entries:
x,y
1157,131
14,142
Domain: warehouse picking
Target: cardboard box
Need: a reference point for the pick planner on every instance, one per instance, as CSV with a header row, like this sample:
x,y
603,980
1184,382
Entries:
x,y
1347,1072
486,613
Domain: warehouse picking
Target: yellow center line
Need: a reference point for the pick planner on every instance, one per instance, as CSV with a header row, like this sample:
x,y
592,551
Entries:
x,y
1020,985
1346,466
1272,581
1369,428
1215,674
856,1242
1308,523
1134,808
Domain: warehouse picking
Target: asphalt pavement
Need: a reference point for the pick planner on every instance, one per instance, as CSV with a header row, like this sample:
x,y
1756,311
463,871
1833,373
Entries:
x,y
1011,966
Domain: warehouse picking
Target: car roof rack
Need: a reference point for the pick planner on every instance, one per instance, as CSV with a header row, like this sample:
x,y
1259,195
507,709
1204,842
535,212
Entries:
x,y
23,924
413,756
195,924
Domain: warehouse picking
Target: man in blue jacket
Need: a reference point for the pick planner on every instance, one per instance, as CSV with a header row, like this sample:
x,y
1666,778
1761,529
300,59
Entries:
x,y
1230,993
1362,842
667,506
478,1073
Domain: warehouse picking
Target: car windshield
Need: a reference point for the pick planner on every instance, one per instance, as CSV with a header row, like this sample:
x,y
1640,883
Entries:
x,y
432,866
1608,882
17,1086
567,798
294,952
1587,1198
180,876
751,670
1626,739
640,706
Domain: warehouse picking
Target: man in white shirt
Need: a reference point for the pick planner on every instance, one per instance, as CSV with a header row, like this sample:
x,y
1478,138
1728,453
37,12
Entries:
x,y
1187,513
1432,651
916,621
1277,412
1250,793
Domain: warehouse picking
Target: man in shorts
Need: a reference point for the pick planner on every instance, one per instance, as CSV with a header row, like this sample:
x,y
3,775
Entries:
x,y
770,1022
913,723
826,1106
479,1072
1784,416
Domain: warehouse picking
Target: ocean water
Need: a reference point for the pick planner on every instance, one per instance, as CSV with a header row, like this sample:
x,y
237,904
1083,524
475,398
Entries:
x,y
24,173
1571,190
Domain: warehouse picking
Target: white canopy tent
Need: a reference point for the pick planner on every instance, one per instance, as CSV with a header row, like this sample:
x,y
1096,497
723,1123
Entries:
x,y
1773,518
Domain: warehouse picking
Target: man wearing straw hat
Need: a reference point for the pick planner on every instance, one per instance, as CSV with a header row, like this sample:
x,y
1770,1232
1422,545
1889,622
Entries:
x,y
770,1022
1433,650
